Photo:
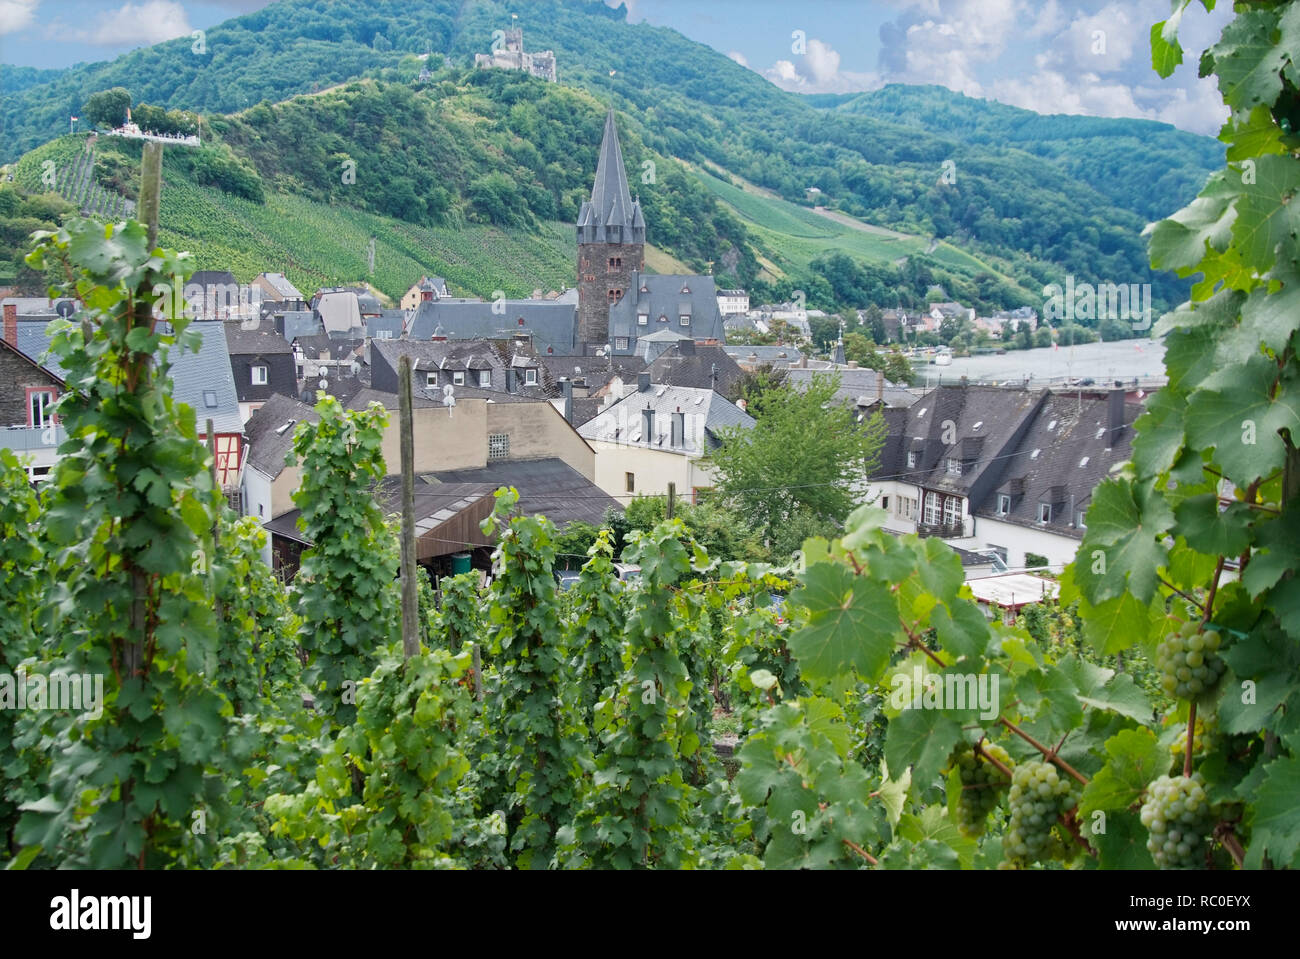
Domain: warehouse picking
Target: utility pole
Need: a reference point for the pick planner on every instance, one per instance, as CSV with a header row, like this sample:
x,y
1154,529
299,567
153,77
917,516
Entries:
x,y
410,589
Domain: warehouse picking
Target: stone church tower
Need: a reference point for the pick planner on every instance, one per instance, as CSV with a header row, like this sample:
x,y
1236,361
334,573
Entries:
x,y
611,242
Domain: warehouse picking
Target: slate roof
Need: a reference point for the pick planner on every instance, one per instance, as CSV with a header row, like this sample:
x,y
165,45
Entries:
x,y
33,341
280,283
206,278
689,365
611,215
547,486
705,413
263,341
338,347
764,355
203,380
494,356
597,371
857,386
661,299
295,324
584,408
267,449
1066,451
553,324
195,376
985,422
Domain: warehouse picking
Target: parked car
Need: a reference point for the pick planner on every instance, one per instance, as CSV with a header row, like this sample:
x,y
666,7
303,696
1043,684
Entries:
x,y
566,578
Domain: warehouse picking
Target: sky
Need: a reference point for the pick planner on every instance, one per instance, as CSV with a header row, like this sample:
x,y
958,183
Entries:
x,y
1053,56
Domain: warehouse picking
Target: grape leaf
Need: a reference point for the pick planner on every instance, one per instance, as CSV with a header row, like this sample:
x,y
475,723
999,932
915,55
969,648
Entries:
x,y
1266,217
1124,843
1133,759
1210,531
1274,816
1249,60
1238,415
1165,54
1125,522
852,621
922,739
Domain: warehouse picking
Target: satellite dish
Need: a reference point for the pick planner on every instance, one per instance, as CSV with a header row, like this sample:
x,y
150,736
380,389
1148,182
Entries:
x,y
356,367
449,395
324,383
65,308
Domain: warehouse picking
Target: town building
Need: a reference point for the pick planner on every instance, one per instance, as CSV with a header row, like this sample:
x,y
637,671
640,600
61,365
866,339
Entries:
x,y
659,435
1005,471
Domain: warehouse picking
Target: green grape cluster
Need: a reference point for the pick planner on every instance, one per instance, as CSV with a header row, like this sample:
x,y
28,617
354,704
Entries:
x,y
1038,795
983,784
1206,731
1189,661
1178,816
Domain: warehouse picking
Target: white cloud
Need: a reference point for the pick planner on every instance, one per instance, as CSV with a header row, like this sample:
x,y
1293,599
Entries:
x,y
138,24
738,57
1053,56
16,14
818,71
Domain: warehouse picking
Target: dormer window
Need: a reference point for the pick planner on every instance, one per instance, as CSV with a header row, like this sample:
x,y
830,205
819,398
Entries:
x,y
431,379
1044,512
1004,504
953,466
686,289
458,378
911,459
259,375
642,319
685,319
530,377
485,378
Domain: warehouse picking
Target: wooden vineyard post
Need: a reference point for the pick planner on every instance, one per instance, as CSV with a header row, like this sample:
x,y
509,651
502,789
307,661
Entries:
x,y
672,500
410,594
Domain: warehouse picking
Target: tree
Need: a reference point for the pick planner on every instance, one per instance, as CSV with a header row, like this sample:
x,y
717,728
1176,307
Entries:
x,y
807,452
862,351
875,323
108,108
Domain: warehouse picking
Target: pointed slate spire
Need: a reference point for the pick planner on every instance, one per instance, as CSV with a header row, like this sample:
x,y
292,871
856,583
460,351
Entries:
x,y
611,202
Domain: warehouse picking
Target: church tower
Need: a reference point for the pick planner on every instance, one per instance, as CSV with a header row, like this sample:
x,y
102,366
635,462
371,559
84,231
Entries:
x,y
611,241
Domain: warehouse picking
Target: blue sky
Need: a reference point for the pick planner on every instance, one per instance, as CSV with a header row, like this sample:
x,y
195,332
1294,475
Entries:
x,y
1053,56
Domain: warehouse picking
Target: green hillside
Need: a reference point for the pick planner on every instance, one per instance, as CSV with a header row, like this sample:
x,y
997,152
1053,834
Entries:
x,y
319,244
488,148
1139,164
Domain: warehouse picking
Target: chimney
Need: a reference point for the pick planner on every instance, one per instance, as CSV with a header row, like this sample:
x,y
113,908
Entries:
x,y
713,377
643,381
803,361
1114,408
568,400
853,364
880,386
11,324
648,424
510,379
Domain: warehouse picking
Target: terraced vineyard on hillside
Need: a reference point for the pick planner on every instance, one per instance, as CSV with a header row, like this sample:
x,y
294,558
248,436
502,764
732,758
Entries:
x,y
74,178
316,244
793,236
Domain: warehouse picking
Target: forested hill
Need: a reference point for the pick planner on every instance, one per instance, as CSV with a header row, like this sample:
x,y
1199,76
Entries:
x,y
1029,221
1139,165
